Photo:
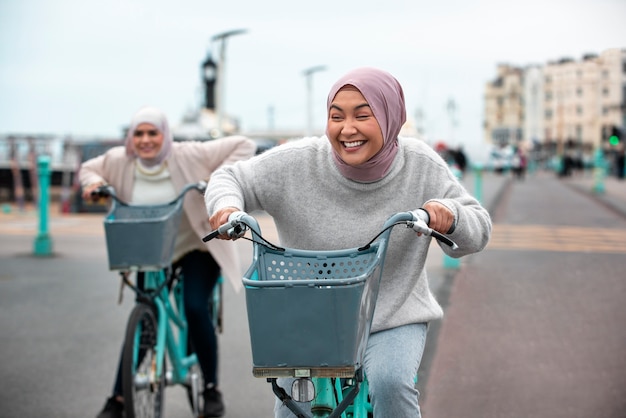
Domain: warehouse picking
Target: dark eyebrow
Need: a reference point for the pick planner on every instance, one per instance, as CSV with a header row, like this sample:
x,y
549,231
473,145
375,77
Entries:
x,y
334,106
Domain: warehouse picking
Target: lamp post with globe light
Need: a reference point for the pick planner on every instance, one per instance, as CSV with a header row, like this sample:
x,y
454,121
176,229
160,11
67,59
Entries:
x,y
209,79
221,69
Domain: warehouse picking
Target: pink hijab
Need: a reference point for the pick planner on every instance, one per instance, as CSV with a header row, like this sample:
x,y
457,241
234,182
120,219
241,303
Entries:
x,y
158,119
385,96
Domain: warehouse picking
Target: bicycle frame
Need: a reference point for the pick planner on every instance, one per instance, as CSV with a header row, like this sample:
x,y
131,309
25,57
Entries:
x,y
170,314
170,306
141,239
334,397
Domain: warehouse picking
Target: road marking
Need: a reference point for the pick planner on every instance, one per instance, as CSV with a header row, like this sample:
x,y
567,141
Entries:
x,y
89,225
558,238
504,236
83,225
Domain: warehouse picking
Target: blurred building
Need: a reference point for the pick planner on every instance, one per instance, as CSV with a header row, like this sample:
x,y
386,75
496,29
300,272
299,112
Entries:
x,y
563,104
504,113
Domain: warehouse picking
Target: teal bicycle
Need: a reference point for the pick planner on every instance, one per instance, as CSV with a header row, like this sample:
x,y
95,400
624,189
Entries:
x,y
327,301
141,239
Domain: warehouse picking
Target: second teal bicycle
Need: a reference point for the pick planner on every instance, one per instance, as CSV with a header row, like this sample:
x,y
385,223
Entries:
x,y
157,351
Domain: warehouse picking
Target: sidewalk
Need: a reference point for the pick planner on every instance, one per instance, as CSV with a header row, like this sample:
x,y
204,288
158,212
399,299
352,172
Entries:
x,y
491,187
441,279
613,196
535,331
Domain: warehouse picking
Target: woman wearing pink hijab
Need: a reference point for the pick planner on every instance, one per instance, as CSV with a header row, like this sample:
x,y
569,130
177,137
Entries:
x,y
361,170
152,169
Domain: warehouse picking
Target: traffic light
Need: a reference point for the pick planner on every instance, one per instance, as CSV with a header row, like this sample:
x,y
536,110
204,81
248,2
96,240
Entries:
x,y
616,136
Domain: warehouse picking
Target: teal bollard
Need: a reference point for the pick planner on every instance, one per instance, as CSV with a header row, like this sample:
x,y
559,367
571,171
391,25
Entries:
x,y
599,171
532,166
449,262
43,241
558,164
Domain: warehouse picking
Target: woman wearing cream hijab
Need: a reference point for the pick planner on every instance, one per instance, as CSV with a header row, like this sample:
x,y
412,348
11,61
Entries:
x,y
152,169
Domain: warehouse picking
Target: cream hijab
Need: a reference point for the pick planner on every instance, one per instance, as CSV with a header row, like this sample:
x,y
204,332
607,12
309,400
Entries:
x,y
385,96
158,119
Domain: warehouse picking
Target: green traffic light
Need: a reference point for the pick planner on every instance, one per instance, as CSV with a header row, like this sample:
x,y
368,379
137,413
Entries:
x,y
613,140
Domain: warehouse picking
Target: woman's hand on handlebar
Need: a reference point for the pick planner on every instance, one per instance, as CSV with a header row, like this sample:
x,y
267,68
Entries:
x,y
220,217
90,189
441,218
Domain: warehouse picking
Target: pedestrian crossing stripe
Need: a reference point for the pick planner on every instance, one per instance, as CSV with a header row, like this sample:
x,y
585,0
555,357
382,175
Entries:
x,y
557,238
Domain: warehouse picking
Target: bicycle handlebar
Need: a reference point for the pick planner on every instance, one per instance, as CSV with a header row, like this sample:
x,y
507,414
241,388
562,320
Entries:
x,y
109,191
234,228
239,222
420,225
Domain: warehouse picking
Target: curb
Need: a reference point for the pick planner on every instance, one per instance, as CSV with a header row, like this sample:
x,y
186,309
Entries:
x,y
443,297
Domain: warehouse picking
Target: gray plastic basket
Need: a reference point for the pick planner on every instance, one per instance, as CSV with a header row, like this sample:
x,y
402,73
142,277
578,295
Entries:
x,y
311,310
141,237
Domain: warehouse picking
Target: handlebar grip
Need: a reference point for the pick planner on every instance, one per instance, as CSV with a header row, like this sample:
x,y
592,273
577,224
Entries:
x,y
211,235
101,191
219,231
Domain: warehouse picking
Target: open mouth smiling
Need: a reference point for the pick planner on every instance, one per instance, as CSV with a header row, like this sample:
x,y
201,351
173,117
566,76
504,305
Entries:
x,y
353,144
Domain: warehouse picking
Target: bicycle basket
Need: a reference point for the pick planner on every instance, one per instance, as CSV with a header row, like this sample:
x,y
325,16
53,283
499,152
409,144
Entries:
x,y
141,237
311,310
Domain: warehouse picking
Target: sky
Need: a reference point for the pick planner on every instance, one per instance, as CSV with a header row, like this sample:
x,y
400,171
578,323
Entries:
x,y
83,68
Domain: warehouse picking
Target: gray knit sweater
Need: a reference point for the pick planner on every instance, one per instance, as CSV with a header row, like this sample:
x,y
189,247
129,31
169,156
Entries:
x,y
314,207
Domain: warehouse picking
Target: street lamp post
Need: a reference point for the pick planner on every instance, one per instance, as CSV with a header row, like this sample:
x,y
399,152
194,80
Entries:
x,y
308,74
219,91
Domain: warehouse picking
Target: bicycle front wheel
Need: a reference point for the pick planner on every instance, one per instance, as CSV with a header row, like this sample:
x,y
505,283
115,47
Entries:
x,y
143,390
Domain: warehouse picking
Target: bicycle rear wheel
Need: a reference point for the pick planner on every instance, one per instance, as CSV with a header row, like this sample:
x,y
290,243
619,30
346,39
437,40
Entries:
x,y
143,391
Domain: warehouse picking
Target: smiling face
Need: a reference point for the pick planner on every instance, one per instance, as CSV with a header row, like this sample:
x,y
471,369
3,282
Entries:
x,y
147,141
353,131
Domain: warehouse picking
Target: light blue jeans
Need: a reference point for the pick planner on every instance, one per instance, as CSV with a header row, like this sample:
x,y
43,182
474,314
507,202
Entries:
x,y
391,361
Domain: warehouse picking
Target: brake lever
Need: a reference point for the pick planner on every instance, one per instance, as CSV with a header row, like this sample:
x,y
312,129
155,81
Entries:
x,y
234,228
420,225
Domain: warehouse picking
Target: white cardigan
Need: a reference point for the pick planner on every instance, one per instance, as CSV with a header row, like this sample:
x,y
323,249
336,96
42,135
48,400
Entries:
x,y
188,162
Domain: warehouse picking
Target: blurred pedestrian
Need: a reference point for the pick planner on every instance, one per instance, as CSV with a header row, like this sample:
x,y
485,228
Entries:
x,y
620,160
518,163
460,158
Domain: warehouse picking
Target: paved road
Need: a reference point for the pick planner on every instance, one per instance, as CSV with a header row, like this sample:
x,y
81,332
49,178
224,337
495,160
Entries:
x,y
535,324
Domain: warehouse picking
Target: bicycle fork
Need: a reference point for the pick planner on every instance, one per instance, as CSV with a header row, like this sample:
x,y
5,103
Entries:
x,y
330,393
330,401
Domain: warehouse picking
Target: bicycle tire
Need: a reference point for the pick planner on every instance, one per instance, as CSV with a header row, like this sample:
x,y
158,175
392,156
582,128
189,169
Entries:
x,y
143,394
217,308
